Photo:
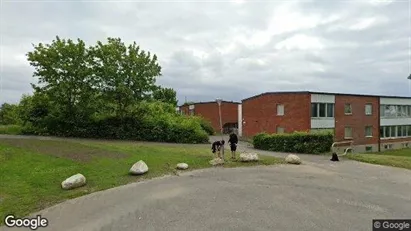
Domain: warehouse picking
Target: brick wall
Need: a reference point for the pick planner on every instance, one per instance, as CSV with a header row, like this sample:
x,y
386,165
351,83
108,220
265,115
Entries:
x,y
260,113
357,120
209,111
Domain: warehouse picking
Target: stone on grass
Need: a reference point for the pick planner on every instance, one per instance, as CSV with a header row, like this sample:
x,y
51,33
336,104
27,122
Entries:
x,y
182,166
248,157
216,161
293,159
139,168
74,181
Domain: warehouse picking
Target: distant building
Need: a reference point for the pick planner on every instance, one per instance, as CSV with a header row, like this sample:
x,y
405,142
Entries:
x,y
209,111
371,122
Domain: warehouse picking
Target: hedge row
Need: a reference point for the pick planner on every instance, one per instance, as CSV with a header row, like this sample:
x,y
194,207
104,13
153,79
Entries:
x,y
294,142
185,131
153,122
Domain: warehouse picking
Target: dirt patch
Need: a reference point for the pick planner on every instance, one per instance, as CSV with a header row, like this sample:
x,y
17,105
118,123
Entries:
x,y
66,149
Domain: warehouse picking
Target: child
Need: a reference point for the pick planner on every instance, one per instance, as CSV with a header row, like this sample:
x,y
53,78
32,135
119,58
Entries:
x,y
233,144
216,146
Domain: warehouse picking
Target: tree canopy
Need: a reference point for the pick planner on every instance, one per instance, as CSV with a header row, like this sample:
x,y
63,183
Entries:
x,y
109,77
107,90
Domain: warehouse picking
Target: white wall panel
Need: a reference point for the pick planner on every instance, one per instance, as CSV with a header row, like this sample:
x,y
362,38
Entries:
x,y
320,98
323,123
395,101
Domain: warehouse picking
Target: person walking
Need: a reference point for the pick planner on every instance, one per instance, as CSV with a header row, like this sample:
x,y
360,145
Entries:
x,y
216,148
233,141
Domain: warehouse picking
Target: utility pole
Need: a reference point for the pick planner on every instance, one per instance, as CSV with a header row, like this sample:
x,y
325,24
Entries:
x,y
219,101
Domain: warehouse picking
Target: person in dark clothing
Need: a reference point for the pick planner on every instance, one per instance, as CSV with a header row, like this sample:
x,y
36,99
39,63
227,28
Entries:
x,y
334,157
216,147
233,141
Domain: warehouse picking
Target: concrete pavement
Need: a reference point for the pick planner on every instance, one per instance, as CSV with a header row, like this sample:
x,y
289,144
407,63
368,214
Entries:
x,y
247,147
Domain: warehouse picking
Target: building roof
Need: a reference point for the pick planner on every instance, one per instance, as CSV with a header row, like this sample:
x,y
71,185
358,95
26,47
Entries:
x,y
324,93
207,102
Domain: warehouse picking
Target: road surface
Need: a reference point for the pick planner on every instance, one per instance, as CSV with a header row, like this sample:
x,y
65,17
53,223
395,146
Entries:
x,y
318,195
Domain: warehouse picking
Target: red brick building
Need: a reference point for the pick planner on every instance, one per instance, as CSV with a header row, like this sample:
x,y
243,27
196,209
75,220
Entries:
x,y
372,123
209,111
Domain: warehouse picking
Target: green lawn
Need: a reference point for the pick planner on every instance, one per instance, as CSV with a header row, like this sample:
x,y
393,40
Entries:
x,y
10,129
396,158
32,170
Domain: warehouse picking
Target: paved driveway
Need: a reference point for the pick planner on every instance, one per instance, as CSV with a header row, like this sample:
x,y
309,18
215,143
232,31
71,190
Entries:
x,y
246,147
318,195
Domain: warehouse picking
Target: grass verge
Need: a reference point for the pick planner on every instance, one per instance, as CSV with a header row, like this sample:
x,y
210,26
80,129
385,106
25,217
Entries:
x,y
400,158
32,170
10,129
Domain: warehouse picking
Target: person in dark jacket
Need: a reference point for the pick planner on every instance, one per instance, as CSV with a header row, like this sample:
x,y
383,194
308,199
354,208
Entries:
x,y
334,157
233,141
216,147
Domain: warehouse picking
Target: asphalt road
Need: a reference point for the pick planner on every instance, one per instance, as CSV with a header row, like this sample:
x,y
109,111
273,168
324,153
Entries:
x,y
318,195
338,196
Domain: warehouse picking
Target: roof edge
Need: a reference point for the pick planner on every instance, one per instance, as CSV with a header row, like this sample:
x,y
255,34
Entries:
x,y
207,102
325,93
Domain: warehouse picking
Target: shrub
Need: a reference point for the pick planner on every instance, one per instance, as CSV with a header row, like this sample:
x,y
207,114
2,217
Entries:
x,y
151,121
205,125
297,142
11,129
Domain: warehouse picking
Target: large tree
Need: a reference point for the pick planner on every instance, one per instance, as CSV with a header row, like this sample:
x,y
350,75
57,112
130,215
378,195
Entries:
x,y
126,74
79,85
166,95
64,75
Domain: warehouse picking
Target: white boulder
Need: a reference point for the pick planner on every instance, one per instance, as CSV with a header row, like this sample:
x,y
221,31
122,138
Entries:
x,y
216,161
248,157
74,181
139,168
293,159
182,166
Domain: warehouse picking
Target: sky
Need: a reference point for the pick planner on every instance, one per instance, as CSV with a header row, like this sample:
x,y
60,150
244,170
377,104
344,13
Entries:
x,y
227,49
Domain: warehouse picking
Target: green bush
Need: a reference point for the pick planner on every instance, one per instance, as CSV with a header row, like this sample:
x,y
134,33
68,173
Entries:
x,y
152,121
11,129
297,142
205,125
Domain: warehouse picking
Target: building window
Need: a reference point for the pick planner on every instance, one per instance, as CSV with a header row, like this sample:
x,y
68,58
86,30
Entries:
x,y
395,131
280,109
348,133
314,110
401,111
347,109
368,148
399,131
368,131
395,111
330,110
368,109
322,110
388,146
280,130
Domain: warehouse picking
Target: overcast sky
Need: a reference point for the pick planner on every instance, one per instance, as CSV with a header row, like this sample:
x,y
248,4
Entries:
x,y
228,49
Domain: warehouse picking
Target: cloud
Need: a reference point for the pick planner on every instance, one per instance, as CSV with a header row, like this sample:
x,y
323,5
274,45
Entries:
x,y
229,49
